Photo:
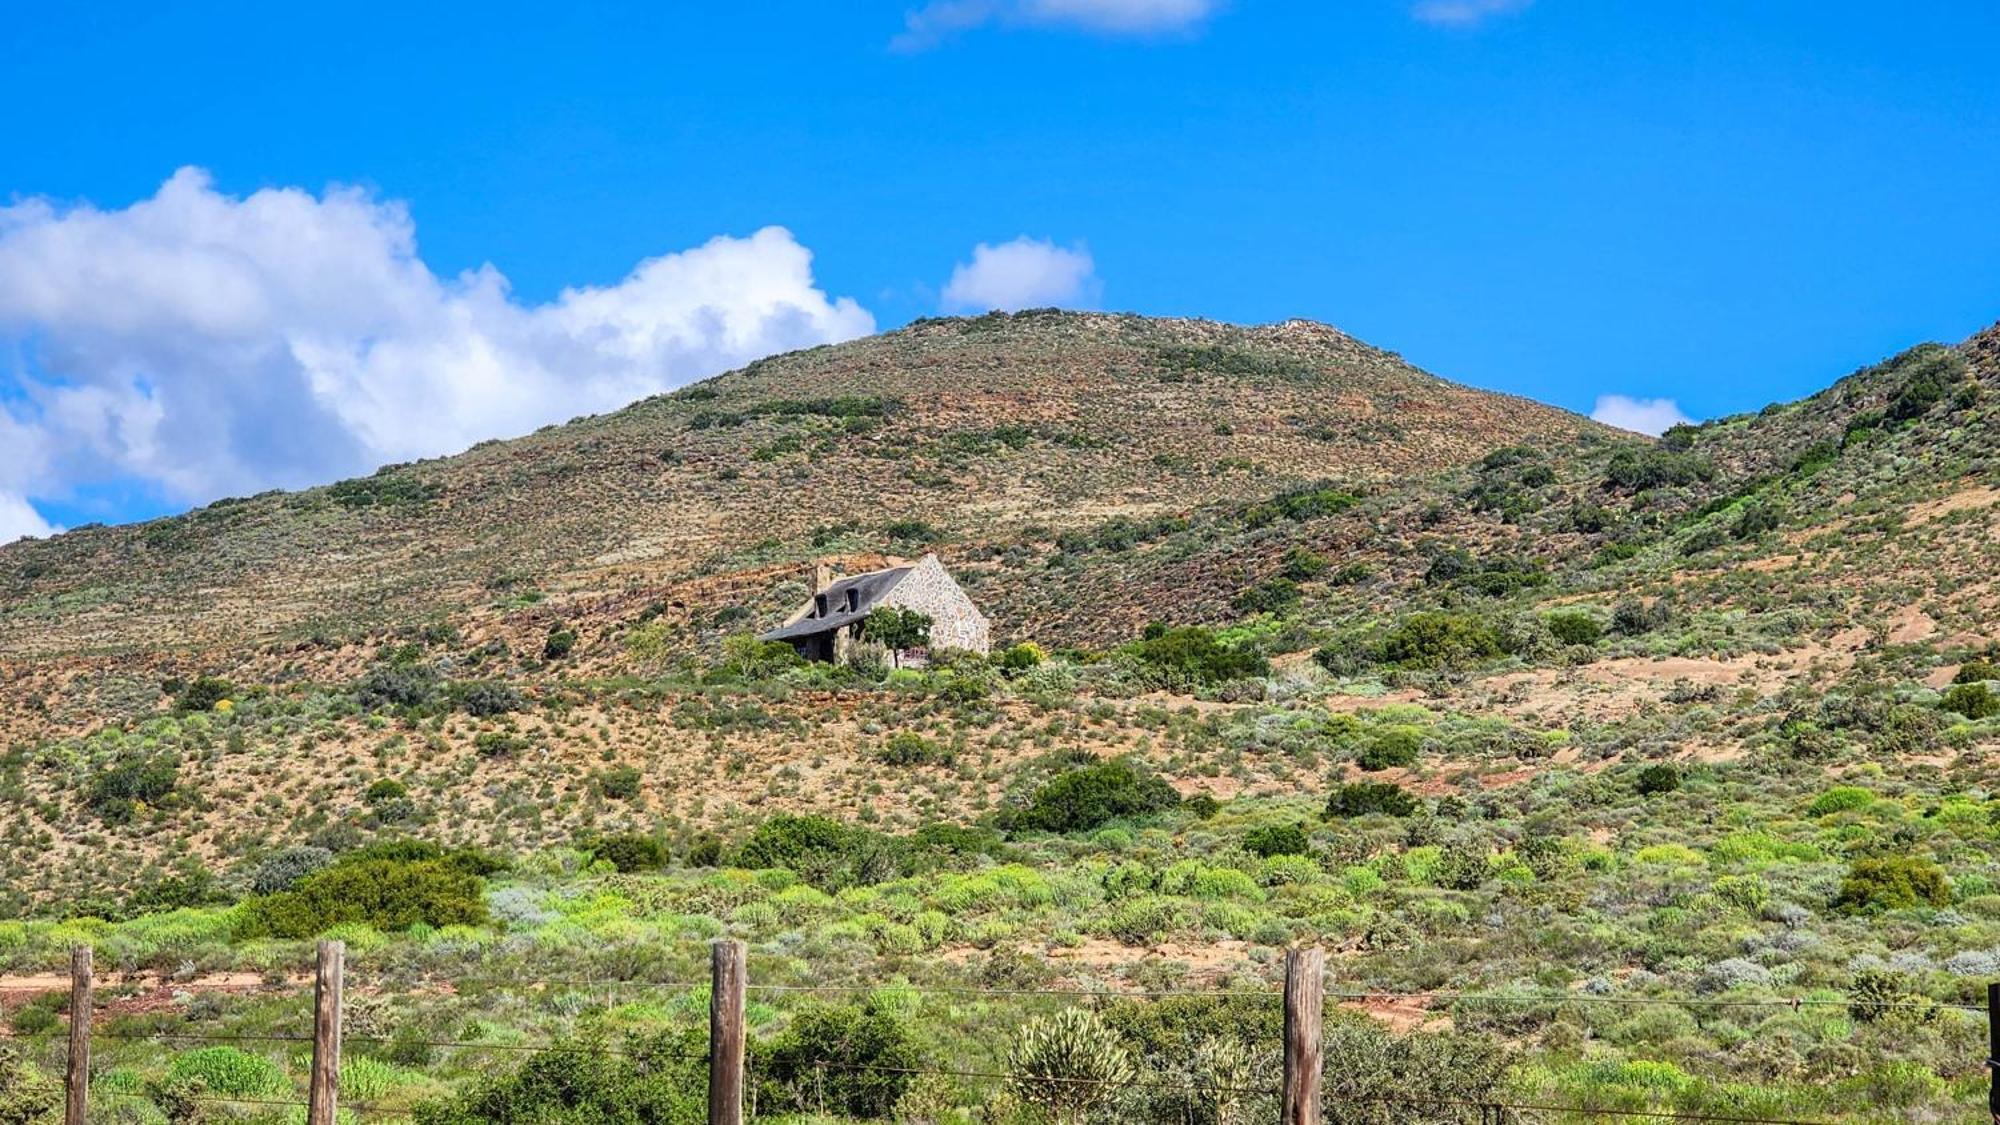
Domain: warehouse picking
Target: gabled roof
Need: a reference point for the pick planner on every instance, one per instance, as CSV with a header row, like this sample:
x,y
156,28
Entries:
x,y
869,590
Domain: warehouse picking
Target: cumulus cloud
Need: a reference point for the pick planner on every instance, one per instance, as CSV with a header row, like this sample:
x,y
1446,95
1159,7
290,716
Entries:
x,y
1653,416
18,518
1465,13
211,344
1025,273
939,20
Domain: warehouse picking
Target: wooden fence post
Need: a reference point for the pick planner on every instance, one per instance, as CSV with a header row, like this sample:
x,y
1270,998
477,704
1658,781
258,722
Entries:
x,y
728,961
1993,1051
76,1079
323,1096
1305,993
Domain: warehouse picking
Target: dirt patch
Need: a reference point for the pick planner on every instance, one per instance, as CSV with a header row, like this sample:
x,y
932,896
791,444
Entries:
x,y
139,994
1910,625
1965,500
1206,963
1402,1014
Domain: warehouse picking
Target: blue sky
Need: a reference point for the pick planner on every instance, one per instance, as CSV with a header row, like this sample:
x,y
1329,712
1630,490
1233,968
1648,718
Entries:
x,y
252,248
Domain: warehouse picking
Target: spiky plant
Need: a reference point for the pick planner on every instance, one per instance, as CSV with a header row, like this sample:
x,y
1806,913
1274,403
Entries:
x,y
1069,1065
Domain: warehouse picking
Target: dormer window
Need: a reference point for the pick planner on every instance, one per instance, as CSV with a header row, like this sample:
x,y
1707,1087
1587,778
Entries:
x,y
853,599
819,605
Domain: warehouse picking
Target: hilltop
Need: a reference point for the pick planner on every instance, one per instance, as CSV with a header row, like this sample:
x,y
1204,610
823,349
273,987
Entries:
x,y
963,433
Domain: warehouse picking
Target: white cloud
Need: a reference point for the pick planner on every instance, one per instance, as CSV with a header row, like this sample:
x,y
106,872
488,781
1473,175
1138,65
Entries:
x,y
18,518
1465,13
1024,273
1640,415
212,344
941,19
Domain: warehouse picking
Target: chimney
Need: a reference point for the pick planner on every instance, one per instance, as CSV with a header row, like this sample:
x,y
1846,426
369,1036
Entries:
x,y
822,577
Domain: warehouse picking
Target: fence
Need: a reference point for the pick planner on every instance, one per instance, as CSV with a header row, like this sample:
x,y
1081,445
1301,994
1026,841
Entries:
x,y
1299,1096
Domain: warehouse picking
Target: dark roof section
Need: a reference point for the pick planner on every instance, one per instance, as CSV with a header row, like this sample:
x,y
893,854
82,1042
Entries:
x,y
834,612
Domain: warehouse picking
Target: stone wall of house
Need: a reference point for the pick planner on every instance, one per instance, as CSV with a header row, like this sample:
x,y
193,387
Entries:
x,y
955,621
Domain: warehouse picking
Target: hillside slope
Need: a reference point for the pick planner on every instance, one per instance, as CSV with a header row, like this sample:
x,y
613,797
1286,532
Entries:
x,y
982,430
1704,728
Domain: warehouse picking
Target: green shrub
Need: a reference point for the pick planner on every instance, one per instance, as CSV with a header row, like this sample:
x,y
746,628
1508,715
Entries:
x,y
1192,655
1351,574
1926,373
1441,640
559,643
1304,565
822,851
908,748
939,845
1418,1078
1273,596
1090,796
498,744
190,886
705,850
1277,839
1463,864
1756,520
1633,618
1498,577
854,1060
1367,798
1893,882
911,531
487,698
134,779
38,1016
1654,467
1069,1066
27,1096
1976,671
1882,996
897,628
397,685
629,851
1021,657
656,1080
1391,748
1974,701
1660,777
1575,628
387,894
203,694
230,1072
620,783
1839,799
1702,539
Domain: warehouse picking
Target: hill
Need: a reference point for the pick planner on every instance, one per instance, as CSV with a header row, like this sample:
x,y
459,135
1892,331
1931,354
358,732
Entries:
x,y
1484,699
963,432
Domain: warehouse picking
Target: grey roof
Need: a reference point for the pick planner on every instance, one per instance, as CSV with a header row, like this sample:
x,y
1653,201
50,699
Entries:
x,y
869,590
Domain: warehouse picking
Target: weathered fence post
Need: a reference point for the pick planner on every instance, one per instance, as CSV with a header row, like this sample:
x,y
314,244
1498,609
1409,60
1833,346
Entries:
x,y
1305,993
76,1079
1993,1051
728,970
323,1096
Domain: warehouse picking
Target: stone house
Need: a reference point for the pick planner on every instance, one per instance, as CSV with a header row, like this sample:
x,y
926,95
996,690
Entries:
x,y
826,627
